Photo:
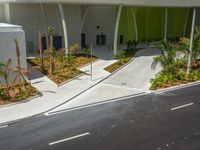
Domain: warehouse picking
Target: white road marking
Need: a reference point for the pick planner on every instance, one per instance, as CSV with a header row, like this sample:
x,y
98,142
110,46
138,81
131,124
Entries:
x,y
182,106
5,126
67,139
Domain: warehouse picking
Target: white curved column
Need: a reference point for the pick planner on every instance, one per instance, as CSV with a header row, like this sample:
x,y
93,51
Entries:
x,y
117,28
135,24
64,27
191,41
83,19
166,23
44,24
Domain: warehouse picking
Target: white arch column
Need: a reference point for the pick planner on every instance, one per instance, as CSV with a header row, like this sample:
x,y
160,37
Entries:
x,y
83,19
135,24
64,27
191,41
116,29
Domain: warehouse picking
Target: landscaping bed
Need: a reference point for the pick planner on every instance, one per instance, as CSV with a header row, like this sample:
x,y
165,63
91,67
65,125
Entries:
x,y
64,70
123,58
16,93
166,79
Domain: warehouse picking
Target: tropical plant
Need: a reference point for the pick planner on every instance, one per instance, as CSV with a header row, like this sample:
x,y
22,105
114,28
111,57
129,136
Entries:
x,y
52,52
167,58
196,44
130,44
87,51
73,49
20,72
121,56
184,44
40,47
4,71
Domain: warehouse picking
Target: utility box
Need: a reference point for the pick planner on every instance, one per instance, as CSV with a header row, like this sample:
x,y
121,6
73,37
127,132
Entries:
x,y
8,33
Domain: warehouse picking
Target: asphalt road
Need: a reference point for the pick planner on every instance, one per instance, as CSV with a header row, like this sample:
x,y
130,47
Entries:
x,y
164,121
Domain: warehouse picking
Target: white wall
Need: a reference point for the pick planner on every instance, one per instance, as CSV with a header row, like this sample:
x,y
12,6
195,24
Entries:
x,y
29,16
2,19
105,17
8,49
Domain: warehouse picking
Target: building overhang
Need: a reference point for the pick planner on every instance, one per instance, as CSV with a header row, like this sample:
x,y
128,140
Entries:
x,y
142,3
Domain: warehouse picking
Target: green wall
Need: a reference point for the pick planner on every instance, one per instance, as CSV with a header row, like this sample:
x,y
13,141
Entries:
x,y
150,23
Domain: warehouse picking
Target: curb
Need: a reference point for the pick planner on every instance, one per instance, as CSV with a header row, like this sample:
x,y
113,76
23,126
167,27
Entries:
x,y
98,103
176,87
121,66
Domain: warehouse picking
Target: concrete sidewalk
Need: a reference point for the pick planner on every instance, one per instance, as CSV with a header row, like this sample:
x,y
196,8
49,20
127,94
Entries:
x,y
133,79
52,95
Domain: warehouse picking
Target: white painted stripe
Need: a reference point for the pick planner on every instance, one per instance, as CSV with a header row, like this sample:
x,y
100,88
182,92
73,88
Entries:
x,y
67,139
182,106
4,126
92,105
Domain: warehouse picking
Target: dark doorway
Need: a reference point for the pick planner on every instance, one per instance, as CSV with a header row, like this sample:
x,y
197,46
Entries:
x,y
83,40
101,39
121,39
57,42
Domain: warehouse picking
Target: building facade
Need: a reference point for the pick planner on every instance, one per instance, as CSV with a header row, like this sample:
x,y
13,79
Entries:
x,y
99,22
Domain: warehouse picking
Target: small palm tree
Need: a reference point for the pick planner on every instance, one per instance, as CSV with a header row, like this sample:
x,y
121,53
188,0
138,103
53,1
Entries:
x,y
51,50
40,47
196,44
167,58
4,71
20,72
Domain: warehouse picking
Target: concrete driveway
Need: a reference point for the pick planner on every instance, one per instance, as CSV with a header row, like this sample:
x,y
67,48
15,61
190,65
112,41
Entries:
x,y
131,80
138,73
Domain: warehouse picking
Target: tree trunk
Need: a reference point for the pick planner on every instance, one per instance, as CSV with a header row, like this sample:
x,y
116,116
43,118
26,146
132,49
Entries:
x,y
40,50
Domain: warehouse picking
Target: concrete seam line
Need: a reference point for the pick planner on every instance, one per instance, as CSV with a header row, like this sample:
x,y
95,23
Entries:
x,y
95,104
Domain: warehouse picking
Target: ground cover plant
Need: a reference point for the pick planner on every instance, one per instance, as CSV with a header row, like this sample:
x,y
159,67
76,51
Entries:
x,y
174,70
19,89
122,58
59,65
65,68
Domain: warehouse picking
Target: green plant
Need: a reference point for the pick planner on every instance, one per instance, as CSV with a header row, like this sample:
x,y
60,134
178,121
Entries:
x,y
73,49
20,72
130,44
87,51
40,47
184,44
167,58
121,56
4,71
52,52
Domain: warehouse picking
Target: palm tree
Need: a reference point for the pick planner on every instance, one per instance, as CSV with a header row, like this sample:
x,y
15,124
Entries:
x,y
51,50
20,72
167,58
184,44
196,44
40,47
4,73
